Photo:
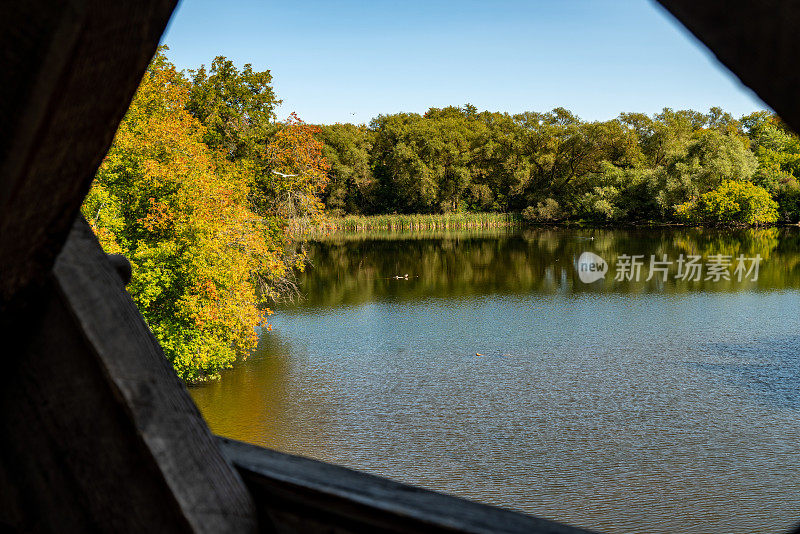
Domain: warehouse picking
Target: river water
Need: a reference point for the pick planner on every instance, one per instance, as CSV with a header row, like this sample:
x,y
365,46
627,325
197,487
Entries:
x,y
493,372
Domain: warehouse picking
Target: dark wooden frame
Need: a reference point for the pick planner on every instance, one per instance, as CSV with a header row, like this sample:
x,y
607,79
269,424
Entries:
x,y
296,494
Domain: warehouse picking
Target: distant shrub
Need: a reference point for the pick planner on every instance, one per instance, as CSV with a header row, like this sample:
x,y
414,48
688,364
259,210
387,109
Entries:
x,y
733,202
601,203
547,211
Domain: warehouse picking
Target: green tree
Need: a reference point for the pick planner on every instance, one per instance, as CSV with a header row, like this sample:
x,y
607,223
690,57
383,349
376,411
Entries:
x,y
499,166
236,107
733,202
778,152
711,158
403,143
352,188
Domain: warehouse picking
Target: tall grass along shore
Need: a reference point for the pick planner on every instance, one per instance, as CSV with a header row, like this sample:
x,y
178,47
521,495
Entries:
x,y
416,222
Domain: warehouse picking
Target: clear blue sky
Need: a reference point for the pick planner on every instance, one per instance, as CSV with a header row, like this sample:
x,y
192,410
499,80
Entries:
x,y
348,61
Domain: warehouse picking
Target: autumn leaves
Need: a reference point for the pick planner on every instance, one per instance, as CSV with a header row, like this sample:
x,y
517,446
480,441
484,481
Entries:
x,y
187,194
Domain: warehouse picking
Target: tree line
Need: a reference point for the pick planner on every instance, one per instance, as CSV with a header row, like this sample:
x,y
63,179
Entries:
x,y
674,166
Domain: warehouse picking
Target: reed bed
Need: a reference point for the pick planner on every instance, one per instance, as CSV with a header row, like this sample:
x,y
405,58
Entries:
x,y
405,223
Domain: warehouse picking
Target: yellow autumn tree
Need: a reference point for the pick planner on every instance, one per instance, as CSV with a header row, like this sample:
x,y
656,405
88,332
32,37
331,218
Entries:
x,y
204,263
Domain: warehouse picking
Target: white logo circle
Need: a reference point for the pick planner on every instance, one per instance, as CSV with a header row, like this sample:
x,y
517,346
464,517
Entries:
x,y
591,267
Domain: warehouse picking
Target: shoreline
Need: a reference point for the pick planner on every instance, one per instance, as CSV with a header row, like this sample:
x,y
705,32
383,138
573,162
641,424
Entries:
x,y
357,224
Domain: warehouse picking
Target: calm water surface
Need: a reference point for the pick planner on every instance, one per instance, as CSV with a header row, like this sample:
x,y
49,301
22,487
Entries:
x,y
620,406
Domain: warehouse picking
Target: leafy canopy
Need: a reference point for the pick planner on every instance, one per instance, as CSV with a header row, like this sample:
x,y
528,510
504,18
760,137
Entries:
x,y
175,196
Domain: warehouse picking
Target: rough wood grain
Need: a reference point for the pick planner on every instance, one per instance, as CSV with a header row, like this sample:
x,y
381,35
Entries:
x,y
70,70
98,433
295,494
757,40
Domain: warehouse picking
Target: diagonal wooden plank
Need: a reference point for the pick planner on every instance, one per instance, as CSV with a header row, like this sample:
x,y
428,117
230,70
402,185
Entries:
x,y
71,68
98,432
757,40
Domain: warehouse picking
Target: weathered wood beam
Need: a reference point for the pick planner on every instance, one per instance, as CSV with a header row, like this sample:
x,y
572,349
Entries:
x,y
97,432
70,70
757,40
295,494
